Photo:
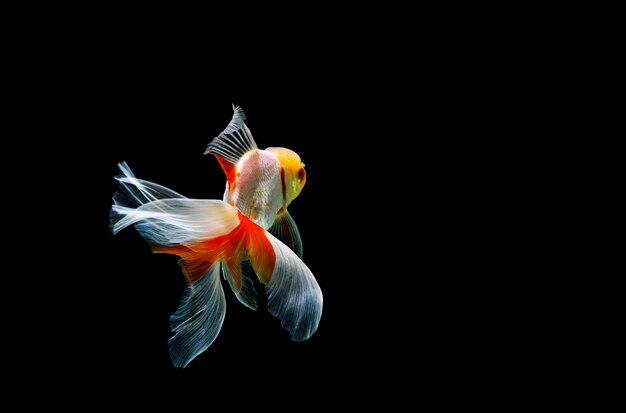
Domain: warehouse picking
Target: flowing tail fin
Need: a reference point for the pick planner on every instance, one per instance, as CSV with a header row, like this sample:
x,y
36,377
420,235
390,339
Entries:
x,y
208,235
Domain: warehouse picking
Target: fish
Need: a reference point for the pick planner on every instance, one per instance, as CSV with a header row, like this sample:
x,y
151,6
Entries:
x,y
247,233
261,183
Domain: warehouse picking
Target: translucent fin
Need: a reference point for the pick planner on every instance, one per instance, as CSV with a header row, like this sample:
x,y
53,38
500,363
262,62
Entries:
x,y
134,192
247,295
199,318
225,197
286,230
165,217
294,295
234,141
177,221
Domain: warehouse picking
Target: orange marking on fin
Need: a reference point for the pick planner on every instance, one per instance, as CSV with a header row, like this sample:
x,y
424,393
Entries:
x,y
235,271
193,263
228,168
261,252
246,240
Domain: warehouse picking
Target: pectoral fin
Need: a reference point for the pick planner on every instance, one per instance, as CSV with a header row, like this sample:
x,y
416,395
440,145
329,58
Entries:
x,y
286,230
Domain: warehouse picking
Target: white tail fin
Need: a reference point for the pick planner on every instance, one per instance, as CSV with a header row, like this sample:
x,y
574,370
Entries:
x,y
199,318
295,296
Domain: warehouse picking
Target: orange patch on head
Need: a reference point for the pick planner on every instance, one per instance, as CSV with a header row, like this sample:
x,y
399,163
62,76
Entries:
x,y
287,158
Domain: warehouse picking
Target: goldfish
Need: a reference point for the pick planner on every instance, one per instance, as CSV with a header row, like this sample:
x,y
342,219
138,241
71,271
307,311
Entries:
x,y
247,233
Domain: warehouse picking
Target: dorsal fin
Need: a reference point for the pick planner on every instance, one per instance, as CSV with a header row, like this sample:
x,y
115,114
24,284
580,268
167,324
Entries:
x,y
234,141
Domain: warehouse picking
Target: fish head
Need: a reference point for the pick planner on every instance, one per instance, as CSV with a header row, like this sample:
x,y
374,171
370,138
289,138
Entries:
x,y
293,169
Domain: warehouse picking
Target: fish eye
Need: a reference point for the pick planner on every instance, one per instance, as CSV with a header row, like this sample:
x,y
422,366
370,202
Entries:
x,y
301,174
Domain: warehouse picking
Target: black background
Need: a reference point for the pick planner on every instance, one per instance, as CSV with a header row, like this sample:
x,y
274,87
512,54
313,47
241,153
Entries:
x,y
346,216
387,214
377,218
419,220
147,287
